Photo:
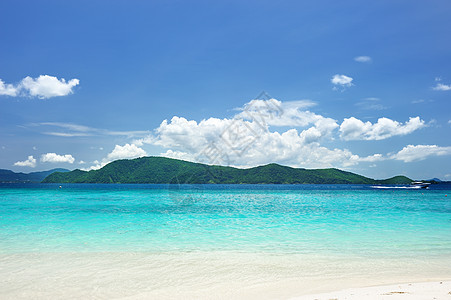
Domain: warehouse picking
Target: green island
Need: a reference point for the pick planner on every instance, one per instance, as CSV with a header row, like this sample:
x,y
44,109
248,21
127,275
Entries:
x,y
164,170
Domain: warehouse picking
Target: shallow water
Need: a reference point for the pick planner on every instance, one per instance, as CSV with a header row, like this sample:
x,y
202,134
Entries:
x,y
168,240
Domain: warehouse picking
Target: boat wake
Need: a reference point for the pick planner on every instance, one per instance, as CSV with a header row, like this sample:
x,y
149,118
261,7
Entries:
x,y
397,187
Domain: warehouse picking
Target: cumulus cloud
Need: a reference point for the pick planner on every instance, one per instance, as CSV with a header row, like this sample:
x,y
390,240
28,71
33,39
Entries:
x,y
30,162
43,87
46,86
243,144
363,59
242,140
442,87
55,158
412,153
290,148
128,151
355,129
8,89
292,113
257,134
341,81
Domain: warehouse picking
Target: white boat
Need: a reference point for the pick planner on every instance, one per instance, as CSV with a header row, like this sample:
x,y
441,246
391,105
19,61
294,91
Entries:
x,y
420,184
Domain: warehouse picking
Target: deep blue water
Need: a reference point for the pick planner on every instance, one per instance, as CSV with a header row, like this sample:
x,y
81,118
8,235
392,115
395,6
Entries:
x,y
325,219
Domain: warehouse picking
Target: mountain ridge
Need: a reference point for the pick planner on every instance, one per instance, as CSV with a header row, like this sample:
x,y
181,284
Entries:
x,y
162,170
8,176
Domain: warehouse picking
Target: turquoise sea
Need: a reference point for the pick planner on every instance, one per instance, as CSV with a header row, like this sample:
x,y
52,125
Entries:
x,y
255,234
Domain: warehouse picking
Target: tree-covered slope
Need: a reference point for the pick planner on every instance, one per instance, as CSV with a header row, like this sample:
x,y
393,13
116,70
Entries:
x,y
167,170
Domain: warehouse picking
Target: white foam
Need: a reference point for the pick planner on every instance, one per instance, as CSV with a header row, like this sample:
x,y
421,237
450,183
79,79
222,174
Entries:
x,y
396,187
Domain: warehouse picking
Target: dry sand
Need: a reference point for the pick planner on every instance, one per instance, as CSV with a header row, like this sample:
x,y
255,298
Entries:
x,y
416,291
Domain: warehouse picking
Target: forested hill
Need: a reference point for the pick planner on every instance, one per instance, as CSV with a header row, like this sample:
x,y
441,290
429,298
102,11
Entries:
x,y
167,170
13,177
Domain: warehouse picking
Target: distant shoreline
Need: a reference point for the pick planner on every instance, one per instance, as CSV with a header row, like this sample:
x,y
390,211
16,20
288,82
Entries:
x,y
237,184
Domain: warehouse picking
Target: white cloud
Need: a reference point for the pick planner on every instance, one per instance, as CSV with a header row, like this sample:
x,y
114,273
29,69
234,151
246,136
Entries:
x,y
65,134
363,59
75,130
190,135
412,153
355,129
249,138
70,126
373,158
8,89
342,81
277,113
371,103
30,162
55,158
43,87
46,86
128,151
442,87
247,145
242,140
418,101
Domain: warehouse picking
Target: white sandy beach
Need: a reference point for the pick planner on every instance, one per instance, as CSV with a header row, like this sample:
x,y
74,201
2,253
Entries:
x,y
413,291
219,275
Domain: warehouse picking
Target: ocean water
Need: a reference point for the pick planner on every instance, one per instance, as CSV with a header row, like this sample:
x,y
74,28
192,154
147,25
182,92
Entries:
x,y
223,240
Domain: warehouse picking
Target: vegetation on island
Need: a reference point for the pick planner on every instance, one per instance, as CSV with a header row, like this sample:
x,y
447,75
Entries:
x,y
166,171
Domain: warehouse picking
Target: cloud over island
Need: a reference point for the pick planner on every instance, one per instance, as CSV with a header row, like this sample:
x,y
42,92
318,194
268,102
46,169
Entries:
x,y
252,137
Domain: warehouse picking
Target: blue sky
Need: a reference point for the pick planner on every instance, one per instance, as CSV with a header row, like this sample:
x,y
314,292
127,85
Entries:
x,y
363,86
